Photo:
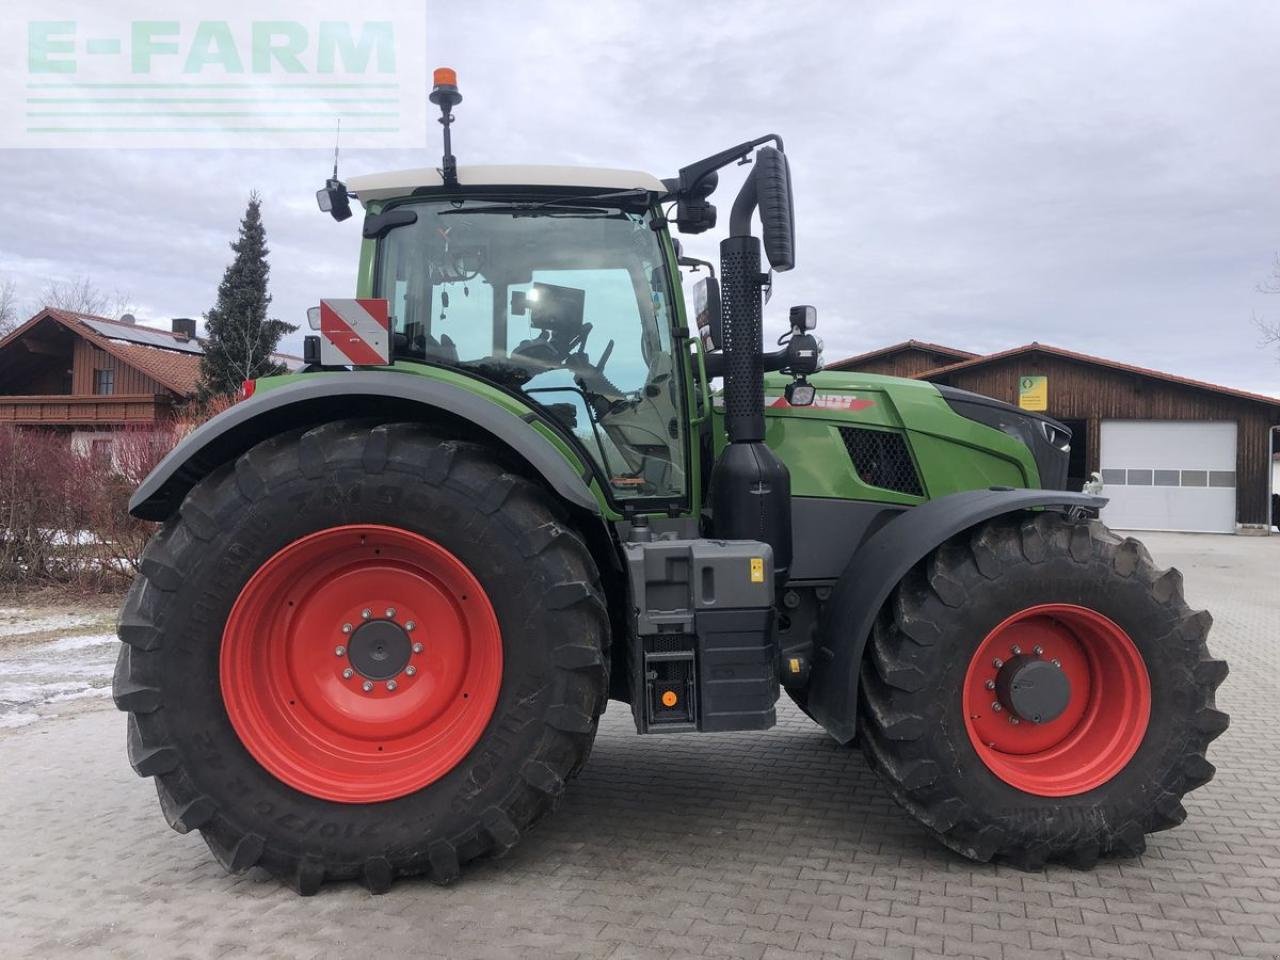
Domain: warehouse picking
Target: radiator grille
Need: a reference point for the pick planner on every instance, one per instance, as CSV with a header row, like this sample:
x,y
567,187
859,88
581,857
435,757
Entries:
x,y
881,459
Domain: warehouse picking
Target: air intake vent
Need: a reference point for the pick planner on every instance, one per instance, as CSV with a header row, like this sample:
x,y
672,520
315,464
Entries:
x,y
881,459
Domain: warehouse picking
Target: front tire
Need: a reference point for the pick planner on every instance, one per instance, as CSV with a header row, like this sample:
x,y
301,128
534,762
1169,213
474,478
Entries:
x,y
293,744
1129,700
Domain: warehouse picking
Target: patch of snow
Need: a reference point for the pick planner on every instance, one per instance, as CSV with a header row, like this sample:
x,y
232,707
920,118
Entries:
x,y
79,643
65,621
102,691
39,675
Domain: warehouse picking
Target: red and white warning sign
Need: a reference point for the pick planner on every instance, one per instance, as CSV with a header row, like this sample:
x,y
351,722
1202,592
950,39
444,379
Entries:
x,y
355,332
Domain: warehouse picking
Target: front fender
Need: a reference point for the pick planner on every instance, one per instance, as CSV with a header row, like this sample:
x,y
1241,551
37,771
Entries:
x,y
878,566
318,398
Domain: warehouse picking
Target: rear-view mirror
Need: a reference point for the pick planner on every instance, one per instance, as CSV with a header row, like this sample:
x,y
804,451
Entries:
x,y
706,310
777,211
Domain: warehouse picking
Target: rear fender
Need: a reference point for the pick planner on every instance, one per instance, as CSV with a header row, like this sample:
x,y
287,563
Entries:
x,y
318,399
879,565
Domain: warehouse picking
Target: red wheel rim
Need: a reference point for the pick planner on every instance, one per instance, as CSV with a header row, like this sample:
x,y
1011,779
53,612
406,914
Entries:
x,y
361,663
1105,717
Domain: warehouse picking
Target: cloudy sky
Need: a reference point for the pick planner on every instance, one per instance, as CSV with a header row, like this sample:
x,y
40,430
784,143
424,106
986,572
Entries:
x,y
1099,176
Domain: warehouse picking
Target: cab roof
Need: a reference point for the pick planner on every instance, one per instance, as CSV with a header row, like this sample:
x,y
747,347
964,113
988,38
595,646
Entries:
x,y
400,183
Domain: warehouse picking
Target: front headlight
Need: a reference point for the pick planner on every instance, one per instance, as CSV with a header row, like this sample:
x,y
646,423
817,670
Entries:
x,y
1058,438
1048,441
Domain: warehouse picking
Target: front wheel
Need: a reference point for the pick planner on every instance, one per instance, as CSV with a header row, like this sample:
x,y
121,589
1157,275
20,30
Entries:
x,y
362,652
1037,690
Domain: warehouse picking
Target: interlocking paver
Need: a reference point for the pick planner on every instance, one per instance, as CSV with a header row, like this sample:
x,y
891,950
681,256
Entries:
x,y
746,846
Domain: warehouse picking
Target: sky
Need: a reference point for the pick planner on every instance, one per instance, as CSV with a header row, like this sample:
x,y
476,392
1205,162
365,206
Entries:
x,y
1098,176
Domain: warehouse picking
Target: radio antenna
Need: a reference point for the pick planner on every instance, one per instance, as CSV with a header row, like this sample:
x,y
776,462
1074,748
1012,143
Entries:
x,y
337,140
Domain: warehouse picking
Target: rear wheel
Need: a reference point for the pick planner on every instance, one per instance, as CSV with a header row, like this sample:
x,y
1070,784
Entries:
x,y
1038,690
362,652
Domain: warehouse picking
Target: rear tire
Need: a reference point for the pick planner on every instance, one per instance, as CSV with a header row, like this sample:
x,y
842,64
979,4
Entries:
x,y
925,660
501,529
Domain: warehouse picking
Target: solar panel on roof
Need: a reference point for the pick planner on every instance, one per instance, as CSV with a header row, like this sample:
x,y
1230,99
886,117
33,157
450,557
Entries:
x,y
145,336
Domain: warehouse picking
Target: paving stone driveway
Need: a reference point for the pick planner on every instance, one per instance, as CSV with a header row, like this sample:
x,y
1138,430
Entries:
x,y
757,846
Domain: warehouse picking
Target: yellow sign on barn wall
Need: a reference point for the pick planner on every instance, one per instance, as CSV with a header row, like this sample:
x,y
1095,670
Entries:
x,y
1033,393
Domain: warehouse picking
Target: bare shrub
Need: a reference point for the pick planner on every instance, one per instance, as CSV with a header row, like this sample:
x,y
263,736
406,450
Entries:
x,y
42,509
64,515
118,539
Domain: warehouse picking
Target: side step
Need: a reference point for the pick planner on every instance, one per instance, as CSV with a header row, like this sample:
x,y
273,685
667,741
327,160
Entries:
x,y
702,652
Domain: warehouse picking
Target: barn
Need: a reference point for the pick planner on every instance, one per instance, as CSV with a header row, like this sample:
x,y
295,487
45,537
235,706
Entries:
x,y
1173,453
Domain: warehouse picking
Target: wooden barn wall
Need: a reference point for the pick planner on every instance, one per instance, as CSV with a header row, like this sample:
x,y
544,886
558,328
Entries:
x,y
128,381
1080,391
906,363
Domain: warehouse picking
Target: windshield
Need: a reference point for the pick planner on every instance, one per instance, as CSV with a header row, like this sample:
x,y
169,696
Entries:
x,y
567,304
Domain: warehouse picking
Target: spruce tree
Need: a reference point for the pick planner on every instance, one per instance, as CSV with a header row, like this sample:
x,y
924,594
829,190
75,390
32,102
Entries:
x,y
240,337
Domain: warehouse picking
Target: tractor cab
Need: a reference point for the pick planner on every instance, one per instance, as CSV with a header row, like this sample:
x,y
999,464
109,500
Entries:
x,y
550,282
561,285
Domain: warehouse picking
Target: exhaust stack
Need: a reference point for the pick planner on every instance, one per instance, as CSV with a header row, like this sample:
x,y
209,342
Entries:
x,y
750,486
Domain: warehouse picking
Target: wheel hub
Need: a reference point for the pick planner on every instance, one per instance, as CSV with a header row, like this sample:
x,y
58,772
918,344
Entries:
x,y
380,649
1056,699
1033,689
326,676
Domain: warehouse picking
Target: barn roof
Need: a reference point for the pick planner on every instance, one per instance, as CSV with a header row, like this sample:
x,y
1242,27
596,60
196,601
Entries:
x,y
1046,349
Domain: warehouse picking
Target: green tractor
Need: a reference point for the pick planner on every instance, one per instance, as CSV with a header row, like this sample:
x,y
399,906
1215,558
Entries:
x,y
392,594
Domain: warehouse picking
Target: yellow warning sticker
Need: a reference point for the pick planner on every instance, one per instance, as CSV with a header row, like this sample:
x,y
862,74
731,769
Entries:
x,y
757,569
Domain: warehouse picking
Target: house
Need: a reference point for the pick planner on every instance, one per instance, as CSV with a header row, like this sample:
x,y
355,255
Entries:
x,y
1174,453
87,375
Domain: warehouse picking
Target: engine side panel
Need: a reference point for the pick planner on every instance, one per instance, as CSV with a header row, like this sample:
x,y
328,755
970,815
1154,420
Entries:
x,y
946,453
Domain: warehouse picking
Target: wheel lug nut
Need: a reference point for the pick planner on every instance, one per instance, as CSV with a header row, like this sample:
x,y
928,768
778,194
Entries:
x,y
1056,662
346,628
367,686
417,648
391,612
366,613
391,684
348,673
1039,651
1017,650
995,706
410,625
410,670
991,684
997,663
339,650
1014,721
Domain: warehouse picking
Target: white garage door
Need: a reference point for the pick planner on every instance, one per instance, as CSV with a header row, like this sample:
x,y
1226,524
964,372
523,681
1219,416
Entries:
x,y
1169,475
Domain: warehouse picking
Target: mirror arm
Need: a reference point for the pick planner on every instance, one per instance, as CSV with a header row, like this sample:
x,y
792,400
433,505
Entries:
x,y
694,263
692,175
744,204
